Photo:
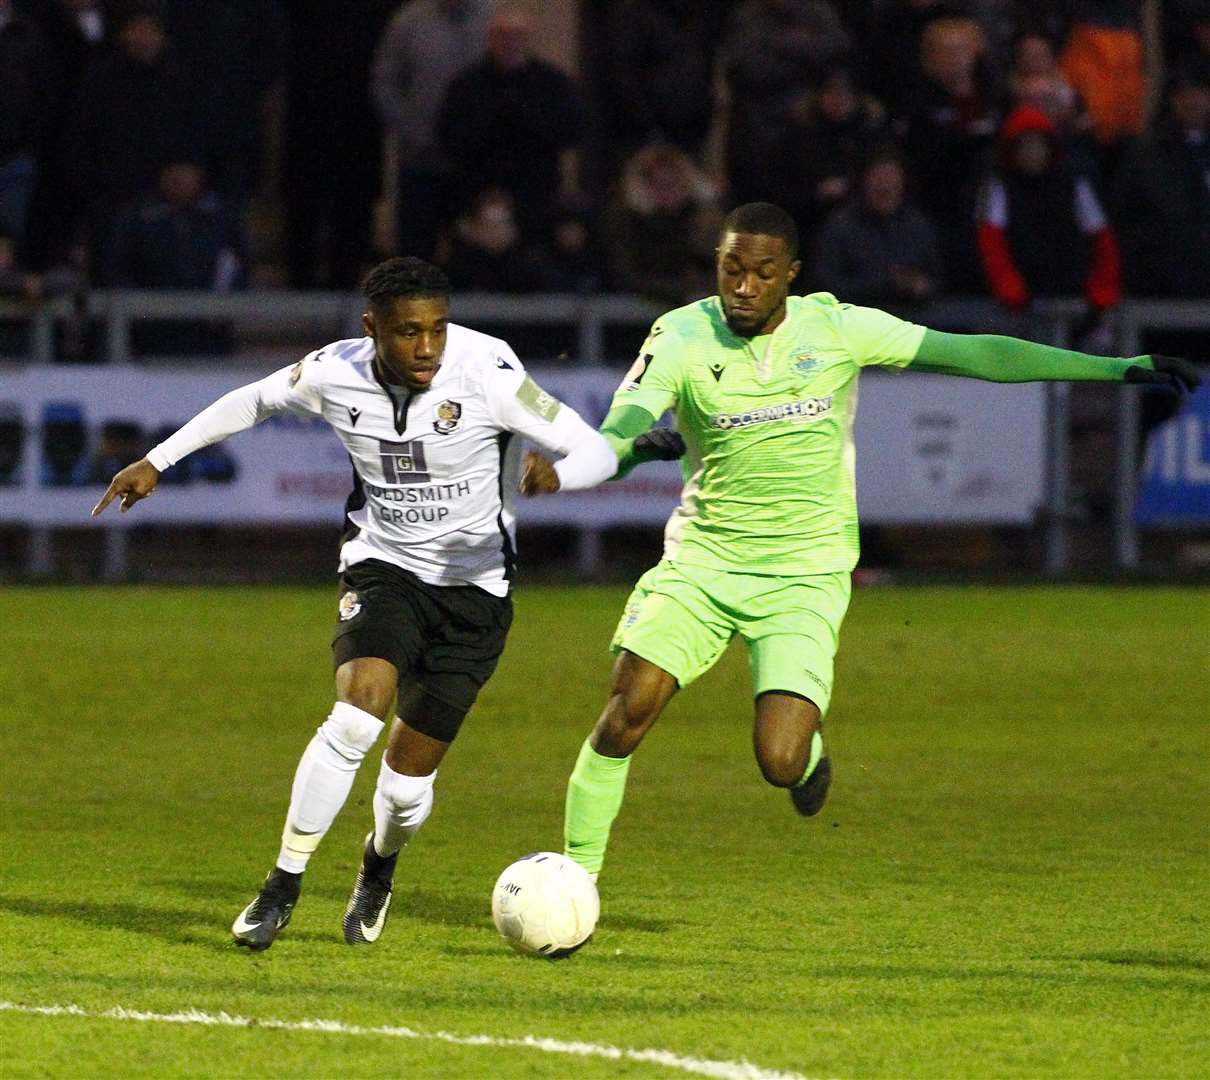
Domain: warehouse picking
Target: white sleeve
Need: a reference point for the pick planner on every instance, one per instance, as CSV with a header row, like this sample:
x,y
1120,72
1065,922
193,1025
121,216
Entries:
x,y
292,389
520,405
590,459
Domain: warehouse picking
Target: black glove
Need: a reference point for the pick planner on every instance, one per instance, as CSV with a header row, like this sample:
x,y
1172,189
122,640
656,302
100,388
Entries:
x,y
1175,372
660,444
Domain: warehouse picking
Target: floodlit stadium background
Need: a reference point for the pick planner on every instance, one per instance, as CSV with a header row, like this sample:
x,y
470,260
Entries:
x,y
1010,877
192,195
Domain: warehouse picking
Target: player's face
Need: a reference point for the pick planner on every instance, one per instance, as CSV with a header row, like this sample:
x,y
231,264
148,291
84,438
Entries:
x,y
754,275
409,337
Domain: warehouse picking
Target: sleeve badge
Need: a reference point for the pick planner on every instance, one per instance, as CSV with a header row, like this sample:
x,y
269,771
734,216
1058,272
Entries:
x,y
543,405
632,378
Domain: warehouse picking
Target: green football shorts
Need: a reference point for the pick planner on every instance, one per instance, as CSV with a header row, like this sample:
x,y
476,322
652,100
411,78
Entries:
x,y
681,618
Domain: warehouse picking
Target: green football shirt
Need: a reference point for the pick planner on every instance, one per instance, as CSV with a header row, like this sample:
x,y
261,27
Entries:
x,y
768,423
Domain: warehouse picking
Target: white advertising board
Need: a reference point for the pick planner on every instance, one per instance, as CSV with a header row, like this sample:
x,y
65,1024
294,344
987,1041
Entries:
x,y
934,449
930,449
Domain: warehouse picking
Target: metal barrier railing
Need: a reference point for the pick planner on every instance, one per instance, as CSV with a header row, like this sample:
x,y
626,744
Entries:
x,y
117,310
1052,321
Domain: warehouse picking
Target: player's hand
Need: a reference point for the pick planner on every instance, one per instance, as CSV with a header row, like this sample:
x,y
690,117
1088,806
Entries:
x,y
660,444
539,476
133,483
1175,372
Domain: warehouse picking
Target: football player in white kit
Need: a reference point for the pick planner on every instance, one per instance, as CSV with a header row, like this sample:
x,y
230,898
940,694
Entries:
x,y
429,412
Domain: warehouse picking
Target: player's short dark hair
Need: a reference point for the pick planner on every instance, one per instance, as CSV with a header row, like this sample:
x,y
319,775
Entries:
x,y
406,276
763,219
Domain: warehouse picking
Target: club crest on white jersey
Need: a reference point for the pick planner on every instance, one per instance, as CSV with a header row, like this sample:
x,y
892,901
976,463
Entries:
x,y
446,417
435,469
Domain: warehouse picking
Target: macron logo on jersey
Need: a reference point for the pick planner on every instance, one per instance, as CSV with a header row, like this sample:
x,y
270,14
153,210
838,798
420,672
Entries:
x,y
806,409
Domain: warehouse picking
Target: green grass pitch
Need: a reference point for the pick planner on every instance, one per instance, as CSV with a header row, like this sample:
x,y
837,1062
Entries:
x,y
1011,878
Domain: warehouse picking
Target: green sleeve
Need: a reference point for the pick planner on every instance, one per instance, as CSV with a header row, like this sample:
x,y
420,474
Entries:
x,y
621,427
1006,359
654,380
873,336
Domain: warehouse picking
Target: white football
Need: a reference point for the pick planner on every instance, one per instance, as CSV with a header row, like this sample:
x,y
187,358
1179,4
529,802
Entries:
x,y
545,905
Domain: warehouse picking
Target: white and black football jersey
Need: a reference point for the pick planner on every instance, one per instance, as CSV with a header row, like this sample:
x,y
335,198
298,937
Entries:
x,y
434,470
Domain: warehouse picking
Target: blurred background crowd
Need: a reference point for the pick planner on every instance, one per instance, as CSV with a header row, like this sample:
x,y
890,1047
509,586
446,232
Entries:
x,y
926,147
929,149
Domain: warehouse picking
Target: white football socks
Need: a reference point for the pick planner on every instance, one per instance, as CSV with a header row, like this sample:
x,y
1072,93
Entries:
x,y
401,804
323,780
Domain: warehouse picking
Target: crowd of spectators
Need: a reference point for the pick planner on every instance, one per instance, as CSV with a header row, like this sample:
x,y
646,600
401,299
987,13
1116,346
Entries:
x,y
925,146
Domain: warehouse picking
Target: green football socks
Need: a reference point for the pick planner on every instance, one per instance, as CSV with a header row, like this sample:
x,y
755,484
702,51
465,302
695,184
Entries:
x,y
594,797
816,754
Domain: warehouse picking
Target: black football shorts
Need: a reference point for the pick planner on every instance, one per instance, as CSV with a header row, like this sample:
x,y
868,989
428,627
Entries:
x,y
445,640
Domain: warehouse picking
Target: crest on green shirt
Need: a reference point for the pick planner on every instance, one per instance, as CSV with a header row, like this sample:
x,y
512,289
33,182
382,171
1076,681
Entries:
x,y
805,364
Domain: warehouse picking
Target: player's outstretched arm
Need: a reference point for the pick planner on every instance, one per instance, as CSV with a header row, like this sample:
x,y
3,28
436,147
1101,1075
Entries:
x,y
1005,359
628,429
135,482
520,405
588,459
540,477
233,412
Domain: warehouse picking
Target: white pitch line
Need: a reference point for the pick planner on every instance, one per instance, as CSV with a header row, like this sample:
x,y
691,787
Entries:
x,y
722,1070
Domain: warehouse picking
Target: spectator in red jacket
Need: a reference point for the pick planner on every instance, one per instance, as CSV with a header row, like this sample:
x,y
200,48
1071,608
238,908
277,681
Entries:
x,y
1041,229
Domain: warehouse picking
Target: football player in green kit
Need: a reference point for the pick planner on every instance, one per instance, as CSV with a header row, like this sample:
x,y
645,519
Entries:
x,y
763,386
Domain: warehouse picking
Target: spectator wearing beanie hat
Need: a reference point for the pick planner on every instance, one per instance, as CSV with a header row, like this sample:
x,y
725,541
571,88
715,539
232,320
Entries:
x,y
1041,229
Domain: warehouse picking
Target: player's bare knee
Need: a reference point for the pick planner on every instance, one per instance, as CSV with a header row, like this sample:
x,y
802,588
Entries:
x,y
619,730
625,720
781,766
413,748
779,709
370,686
367,697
